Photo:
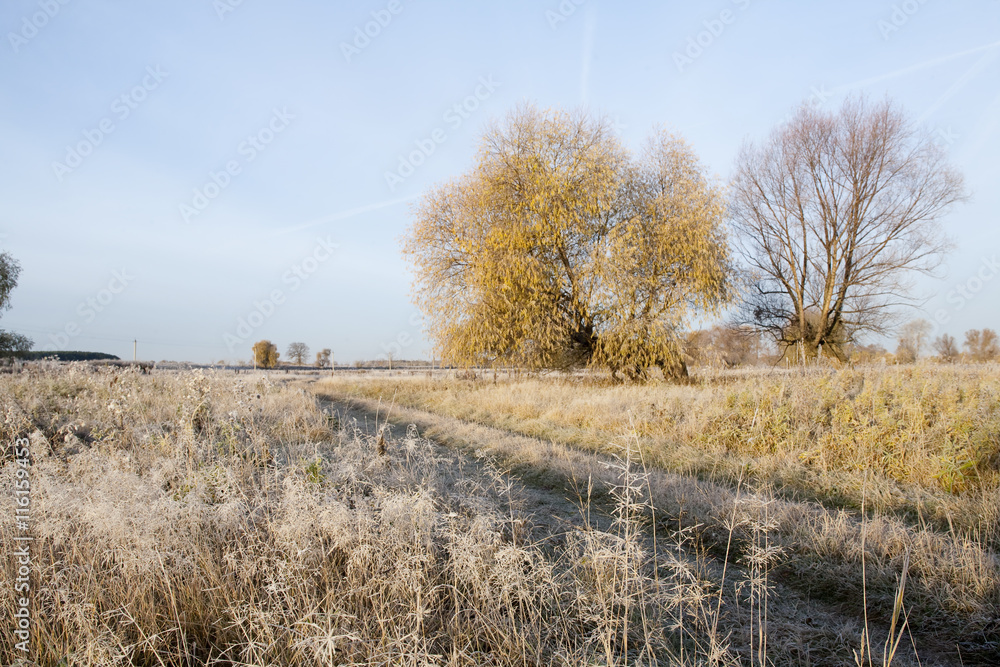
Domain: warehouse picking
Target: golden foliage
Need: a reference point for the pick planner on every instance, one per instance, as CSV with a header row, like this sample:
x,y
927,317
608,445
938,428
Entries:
x,y
561,249
265,354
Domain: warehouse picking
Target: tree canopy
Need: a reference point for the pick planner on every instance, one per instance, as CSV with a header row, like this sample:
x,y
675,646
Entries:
x,y
982,344
10,343
265,354
562,249
298,352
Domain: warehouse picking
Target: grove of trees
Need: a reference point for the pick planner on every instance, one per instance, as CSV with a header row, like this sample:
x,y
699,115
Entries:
x,y
982,345
265,355
561,249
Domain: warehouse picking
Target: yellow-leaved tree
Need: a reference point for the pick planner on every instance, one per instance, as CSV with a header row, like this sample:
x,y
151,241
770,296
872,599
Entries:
x,y
265,354
561,249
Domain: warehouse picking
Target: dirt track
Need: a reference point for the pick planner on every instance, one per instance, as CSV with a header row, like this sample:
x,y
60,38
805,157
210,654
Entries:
x,y
551,485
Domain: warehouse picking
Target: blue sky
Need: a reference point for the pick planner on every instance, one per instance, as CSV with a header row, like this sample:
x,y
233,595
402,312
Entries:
x,y
201,174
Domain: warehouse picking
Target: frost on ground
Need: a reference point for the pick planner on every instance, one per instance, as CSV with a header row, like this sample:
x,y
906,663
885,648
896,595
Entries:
x,y
198,518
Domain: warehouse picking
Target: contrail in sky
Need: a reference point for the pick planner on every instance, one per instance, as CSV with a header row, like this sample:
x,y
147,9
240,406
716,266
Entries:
x,y
343,215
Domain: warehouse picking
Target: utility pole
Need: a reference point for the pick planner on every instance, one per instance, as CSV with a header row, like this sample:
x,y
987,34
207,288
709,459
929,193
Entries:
x,y
134,344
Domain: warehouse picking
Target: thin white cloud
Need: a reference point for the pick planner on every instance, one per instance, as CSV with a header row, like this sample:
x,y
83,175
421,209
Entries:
x,y
962,81
343,215
913,68
589,28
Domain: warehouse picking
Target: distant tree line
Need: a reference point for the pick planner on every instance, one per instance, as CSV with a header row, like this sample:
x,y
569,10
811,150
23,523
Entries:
x,y
67,355
266,355
562,249
980,345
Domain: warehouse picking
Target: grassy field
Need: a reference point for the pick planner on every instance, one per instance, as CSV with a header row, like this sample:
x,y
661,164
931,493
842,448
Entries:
x,y
921,442
202,518
916,447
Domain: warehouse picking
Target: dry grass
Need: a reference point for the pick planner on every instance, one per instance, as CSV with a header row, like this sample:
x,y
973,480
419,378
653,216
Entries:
x,y
828,436
209,519
929,435
201,519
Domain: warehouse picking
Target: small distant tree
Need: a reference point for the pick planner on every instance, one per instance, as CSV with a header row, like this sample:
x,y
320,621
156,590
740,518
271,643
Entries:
x,y
323,357
946,348
698,347
982,345
737,345
298,352
912,339
723,345
10,343
866,354
265,354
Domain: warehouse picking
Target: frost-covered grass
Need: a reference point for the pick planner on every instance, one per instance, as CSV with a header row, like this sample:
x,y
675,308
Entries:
x,y
205,519
918,448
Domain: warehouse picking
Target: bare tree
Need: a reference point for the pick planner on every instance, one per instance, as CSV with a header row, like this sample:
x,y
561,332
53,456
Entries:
x,y
835,213
723,346
298,352
912,340
323,357
946,348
